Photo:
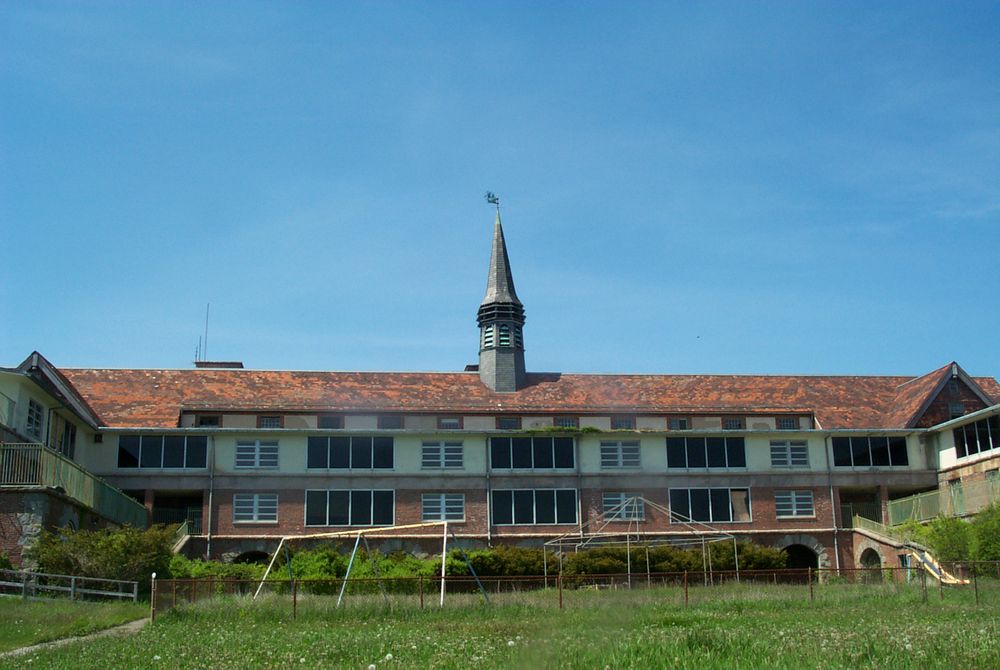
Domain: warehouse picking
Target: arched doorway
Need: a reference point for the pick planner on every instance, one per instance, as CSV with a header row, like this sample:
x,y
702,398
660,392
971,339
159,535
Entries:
x,y
801,557
871,564
252,557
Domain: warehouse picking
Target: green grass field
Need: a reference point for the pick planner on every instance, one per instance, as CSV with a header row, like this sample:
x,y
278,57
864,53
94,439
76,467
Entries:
x,y
27,622
726,627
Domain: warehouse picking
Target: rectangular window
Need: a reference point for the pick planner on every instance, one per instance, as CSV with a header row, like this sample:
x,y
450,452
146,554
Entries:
x,y
390,422
526,453
533,507
436,455
863,451
270,421
442,507
257,454
508,423
620,454
789,454
208,421
35,419
733,423
358,507
330,421
677,423
793,504
566,422
715,505
623,507
358,452
162,451
255,507
623,422
706,452
449,423
976,438
787,423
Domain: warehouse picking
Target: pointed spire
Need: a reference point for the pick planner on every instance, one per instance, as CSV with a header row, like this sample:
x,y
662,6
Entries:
x,y
499,282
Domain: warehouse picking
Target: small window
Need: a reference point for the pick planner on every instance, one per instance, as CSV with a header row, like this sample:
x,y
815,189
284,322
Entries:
x,y
623,422
255,507
733,423
956,409
390,422
442,507
448,455
449,423
789,454
623,507
36,417
330,421
208,420
788,423
508,423
619,455
677,423
488,337
504,339
566,422
793,504
270,421
257,454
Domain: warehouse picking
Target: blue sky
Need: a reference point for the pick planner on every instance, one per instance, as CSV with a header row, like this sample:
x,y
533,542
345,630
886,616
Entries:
x,y
686,187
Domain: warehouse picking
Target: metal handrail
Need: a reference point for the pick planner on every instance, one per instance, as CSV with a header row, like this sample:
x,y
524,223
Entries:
x,y
955,500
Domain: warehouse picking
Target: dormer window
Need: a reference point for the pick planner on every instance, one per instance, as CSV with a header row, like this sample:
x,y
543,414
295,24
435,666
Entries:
x,y
504,335
623,422
677,423
788,423
208,421
508,423
390,422
733,423
330,421
449,423
269,421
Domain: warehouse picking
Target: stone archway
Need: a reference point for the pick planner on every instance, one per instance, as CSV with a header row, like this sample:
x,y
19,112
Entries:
x,y
801,557
871,564
822,558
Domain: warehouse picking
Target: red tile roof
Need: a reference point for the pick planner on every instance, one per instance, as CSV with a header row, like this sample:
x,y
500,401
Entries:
x,y
155,398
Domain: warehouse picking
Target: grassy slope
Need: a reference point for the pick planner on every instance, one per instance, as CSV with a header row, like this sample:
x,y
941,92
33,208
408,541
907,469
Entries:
x,y
738,627
24,623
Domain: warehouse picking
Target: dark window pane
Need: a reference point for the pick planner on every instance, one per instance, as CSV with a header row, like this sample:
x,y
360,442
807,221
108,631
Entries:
x,y
128,451
721,511
173,451
524,507
958,434
545,506
503,511
880,450
382,503
699,505
897,451
564,452
500,453
676,453
361,452
361,508
994,425
151,455
679,504
340,452
340,502
520,452
197,450
326,421
315,508
716,452
842,451
565,506
736,452
696,452
543,452
983,433
859,451
382,452
317,454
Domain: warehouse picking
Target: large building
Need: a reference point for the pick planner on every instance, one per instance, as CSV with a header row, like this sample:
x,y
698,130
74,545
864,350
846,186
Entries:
x,y
509,456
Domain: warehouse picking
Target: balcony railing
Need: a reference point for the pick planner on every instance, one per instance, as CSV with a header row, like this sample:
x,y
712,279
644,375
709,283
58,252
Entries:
x,y
955,500
30,465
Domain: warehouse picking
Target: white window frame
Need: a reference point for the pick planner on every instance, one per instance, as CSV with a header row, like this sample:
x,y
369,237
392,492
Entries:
x,y
628,511
442,507
444,455
620,455
534,507
255,508
730,489
256,455
794,504
350,503
789,454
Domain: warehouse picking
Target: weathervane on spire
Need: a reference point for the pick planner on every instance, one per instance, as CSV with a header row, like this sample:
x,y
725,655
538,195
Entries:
x,y
493,199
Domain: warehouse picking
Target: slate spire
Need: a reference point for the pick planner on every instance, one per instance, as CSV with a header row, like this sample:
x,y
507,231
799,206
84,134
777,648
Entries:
x,y
501,319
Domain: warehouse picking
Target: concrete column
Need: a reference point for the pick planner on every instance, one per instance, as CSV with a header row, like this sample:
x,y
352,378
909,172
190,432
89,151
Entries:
x,y
883,499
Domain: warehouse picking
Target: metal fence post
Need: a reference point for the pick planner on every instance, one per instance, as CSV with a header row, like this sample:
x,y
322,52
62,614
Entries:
x,y
923,583
559,579
421,591
152,597
295,597
685,588
811,596
975,583
941,585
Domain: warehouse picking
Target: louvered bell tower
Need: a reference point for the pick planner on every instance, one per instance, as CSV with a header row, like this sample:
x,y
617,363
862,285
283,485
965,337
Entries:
x,y
501,320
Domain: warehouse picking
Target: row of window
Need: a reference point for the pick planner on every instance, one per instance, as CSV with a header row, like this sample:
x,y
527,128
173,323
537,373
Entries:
x,y
164,451
975,438
867,451
518,507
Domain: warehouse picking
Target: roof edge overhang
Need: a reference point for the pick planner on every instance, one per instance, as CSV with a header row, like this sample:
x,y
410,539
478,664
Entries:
x,y
37,368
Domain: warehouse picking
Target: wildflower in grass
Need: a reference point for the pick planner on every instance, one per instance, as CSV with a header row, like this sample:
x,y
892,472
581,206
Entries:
x,y
510,643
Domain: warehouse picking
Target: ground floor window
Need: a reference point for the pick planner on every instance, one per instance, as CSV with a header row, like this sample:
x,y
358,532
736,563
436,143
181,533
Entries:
x,y
713,505
350,508
513,507
255,507
442,506
623,507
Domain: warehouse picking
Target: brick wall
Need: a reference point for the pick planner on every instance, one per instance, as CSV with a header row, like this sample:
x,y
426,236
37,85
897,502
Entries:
x,y
939,410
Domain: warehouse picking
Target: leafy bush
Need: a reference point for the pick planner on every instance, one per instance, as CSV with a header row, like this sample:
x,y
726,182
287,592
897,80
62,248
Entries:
x,y
948,538
5,563
182,567
985,534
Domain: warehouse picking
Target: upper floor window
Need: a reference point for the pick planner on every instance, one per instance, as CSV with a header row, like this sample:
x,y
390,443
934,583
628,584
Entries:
x,y
566,422
714,505
488,337
678,423
67,441
257,454
442,507
504,339
162,451
208,420
975,438
508,423
442,455
355,452
449,423
35,419
330,421
533,506
531,453
864,451
620,454
789,454
793,503
733,423
706,452
255,507
787,423
623,422
270,421
956,409
623,507
358,507
390,422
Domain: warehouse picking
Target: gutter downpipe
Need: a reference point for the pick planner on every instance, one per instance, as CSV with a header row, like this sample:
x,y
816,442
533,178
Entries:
x,y
833,509
211,491
489,492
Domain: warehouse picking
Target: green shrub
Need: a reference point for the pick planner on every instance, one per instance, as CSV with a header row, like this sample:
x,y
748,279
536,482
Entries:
x,y
948,538
985,534
5,563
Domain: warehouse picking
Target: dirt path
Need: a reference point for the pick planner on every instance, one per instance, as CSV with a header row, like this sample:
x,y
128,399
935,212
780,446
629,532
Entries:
x,y
129,628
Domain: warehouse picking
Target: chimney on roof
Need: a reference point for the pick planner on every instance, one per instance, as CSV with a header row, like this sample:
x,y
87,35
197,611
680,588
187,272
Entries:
x,y
501,318
219,365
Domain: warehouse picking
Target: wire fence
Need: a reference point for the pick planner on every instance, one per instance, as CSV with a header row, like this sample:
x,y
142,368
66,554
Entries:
x,y
685,589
